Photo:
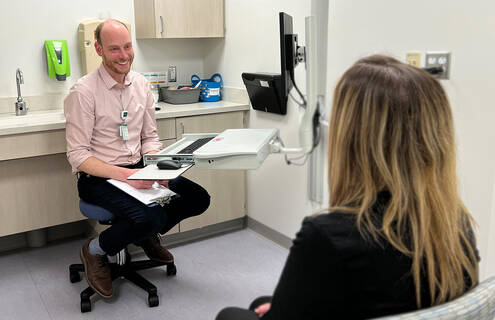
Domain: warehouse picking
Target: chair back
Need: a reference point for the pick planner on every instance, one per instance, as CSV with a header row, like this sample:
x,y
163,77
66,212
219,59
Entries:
x,y
476,304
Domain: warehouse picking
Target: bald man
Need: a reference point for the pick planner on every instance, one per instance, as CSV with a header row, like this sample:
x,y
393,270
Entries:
x,y
110,125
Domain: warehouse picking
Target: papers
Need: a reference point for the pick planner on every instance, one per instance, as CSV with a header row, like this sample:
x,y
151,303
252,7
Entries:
x,y
151,172
157,193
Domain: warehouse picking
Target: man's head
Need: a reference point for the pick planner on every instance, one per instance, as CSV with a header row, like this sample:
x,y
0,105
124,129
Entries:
x,y
114,45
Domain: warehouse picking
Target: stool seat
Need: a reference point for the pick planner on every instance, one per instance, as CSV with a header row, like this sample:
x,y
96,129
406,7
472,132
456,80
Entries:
x,y
95,212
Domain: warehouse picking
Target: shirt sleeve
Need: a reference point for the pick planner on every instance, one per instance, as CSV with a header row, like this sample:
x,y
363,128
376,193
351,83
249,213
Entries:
x,y
149,136
80,121
305,276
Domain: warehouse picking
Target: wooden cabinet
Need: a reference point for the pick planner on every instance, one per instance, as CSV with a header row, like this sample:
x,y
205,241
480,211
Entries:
x,y
227,188
179,18
38,189
37,192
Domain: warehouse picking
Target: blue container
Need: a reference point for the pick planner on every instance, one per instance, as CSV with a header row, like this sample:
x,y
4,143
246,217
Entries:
x,y
211,89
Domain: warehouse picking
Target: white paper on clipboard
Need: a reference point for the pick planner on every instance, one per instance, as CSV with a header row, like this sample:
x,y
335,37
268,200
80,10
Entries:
x,y
151,172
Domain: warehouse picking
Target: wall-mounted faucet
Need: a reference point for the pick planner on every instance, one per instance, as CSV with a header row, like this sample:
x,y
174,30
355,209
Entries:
x,y
20,106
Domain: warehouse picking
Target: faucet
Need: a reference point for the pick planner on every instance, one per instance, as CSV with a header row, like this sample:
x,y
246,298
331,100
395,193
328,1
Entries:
x,y
20,106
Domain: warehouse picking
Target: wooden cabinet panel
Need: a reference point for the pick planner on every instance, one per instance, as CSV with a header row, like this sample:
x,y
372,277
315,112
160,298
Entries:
x,y
36,193
226,187
32,144
179,18
166,128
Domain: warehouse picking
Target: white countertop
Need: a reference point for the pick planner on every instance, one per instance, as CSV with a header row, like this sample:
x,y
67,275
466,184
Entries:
x,y
55,119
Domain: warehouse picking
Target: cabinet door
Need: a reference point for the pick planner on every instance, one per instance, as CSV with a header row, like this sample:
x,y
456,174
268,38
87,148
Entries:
x,y
36,193
227,188
189,18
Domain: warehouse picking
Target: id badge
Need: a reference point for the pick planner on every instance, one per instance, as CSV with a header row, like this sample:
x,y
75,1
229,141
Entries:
x,y
124,131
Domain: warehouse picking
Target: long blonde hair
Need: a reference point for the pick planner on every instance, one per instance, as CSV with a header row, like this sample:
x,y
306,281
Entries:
x,y
391,129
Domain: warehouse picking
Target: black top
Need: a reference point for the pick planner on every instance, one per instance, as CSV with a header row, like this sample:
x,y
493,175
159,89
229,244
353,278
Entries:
x,y
333,273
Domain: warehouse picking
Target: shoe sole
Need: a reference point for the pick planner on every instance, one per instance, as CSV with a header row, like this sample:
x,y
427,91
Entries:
x,y
87,279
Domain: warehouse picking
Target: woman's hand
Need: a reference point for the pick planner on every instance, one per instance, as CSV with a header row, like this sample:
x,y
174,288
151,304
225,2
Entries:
x,y
262,309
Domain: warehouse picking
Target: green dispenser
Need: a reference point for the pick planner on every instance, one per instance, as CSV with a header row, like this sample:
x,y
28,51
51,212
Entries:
x,y
57,56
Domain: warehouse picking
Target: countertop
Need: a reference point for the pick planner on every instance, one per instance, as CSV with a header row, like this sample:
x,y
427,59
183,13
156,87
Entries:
x,y
54,119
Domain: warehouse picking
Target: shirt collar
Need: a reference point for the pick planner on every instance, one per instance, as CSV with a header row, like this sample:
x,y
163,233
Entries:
x,y
109,81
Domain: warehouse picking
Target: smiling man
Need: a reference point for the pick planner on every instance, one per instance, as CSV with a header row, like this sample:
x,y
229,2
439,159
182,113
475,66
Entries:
x,y
110,125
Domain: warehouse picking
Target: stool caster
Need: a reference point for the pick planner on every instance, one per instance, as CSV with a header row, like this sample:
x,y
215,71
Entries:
x,y
171,270
85,305
74,277
153,300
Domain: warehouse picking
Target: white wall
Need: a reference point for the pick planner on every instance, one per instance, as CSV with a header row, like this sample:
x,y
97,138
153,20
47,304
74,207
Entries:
x,y
277,192
27,24
360,27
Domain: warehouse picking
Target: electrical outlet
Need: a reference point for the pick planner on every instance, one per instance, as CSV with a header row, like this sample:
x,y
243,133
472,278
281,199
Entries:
x,y
439,60
413,59
172,74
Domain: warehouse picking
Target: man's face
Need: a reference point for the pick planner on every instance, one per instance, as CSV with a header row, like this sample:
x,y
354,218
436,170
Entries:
x,y
116,49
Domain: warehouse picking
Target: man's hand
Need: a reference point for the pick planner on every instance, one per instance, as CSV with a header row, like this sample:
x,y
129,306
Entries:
x,y
138,184
163,183
262,309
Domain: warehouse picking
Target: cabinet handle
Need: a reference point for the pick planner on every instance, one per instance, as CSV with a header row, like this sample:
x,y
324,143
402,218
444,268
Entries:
x,y
182,127
161,21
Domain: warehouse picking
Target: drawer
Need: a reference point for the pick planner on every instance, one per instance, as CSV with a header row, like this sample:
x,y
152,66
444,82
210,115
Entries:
x,y
32,144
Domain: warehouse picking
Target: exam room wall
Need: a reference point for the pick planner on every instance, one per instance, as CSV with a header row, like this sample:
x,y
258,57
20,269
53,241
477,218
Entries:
x,y
27,24
357,28
276,192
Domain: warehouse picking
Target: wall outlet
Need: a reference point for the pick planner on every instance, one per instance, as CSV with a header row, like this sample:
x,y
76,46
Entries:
x,y
413,59
172,74
439,60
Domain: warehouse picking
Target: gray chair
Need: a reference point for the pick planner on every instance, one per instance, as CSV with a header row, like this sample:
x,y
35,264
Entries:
x,y
476,304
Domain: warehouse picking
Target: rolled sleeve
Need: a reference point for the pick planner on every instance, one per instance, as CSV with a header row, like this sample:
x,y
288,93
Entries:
x,y
149,136
80,121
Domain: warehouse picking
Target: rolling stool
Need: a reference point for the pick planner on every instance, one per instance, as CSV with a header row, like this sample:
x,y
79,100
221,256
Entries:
x,y
123,267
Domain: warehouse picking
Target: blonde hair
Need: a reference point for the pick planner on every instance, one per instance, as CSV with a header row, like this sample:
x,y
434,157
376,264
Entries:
x,y
391,129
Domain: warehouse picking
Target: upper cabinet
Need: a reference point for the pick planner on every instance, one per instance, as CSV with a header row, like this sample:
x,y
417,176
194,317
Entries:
x,y
157,19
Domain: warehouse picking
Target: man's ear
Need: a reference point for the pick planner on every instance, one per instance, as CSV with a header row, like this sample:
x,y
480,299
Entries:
x,y
99,49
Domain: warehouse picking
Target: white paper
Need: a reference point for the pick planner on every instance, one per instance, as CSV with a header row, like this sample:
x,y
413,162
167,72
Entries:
x,y
157,193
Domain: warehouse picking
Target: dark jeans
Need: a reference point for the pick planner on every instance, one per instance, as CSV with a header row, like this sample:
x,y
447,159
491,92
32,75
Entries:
x,y
235,313
136,221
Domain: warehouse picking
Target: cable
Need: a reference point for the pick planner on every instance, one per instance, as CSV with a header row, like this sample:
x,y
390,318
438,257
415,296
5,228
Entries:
x,y
301,104
297,89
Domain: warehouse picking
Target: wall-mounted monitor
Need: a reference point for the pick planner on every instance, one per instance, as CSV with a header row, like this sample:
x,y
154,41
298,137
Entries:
x,y
269,92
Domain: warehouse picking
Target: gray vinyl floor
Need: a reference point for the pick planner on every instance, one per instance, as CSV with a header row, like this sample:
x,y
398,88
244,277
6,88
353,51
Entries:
x,y
228,270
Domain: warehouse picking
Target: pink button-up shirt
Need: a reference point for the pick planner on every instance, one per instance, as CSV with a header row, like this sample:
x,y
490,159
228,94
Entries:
x,y
93,112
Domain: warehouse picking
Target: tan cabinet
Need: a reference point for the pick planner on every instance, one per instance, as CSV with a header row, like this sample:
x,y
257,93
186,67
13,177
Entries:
x,y
227,188
38,189
37,192
179,18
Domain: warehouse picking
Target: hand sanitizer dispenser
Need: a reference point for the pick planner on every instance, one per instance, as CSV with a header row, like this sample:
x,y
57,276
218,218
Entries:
x,y
57,56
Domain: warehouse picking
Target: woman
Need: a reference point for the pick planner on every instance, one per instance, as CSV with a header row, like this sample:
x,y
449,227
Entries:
x,y
398,236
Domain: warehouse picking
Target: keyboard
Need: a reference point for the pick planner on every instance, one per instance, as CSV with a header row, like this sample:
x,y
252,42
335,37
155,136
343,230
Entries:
x,y
195,146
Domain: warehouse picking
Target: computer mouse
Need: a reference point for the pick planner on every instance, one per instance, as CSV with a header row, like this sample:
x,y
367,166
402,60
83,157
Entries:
x,y
168,165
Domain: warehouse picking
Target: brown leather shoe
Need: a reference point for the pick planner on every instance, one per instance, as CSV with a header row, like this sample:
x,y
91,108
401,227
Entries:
x,y
155,251
97,271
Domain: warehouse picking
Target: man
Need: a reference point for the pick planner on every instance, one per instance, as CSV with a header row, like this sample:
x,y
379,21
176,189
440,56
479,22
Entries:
x,y
110,125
